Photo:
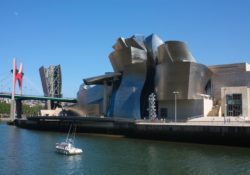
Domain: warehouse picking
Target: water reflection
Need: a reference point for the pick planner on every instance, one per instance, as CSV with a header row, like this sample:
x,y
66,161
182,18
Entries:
x,y
72,163
32,152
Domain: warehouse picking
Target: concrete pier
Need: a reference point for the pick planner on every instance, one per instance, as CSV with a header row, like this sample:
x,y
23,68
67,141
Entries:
x,y
233,133
84,124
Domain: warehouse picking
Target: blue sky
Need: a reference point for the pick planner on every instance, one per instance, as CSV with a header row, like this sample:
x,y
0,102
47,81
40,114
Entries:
x,y
79,34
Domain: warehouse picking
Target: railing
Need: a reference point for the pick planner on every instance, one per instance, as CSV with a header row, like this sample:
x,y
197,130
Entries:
x,y
215,121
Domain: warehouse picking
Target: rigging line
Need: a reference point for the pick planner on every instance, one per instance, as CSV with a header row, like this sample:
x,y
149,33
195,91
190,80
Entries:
x,y
33,85
5,73
68,135
5,82
4,77
74,134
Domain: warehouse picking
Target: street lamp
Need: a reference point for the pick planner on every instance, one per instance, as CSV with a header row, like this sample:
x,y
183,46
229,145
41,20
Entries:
x,y
175,105
225,101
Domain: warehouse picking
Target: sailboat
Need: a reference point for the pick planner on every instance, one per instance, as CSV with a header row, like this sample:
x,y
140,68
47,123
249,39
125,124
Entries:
x,y
67,147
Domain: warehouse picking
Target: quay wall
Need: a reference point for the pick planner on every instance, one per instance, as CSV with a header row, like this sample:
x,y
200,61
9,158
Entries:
x,y
84,124
206,134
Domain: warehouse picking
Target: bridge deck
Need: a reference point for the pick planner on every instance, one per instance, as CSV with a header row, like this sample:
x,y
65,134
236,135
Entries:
x,y
32,97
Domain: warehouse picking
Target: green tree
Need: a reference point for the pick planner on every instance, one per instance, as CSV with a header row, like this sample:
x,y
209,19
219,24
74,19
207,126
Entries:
x,y
4,108
26,109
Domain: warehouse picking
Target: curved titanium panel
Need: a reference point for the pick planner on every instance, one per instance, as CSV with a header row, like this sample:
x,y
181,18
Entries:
x,y
161,72
172,77
89,100
188,78
126,101
93,94
119,59
120,44
163,54
137,42
178,51
152,43
199,76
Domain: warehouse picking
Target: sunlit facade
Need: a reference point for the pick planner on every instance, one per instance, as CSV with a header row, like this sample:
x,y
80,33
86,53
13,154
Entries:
x,y
145,65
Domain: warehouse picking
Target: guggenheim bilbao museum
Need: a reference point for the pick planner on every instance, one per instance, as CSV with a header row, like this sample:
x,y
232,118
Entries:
x,y
146,65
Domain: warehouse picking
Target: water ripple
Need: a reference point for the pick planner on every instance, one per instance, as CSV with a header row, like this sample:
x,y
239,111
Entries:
x,y
32,152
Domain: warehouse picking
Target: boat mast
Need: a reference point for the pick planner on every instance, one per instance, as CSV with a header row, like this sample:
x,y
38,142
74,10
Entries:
x,y
68,135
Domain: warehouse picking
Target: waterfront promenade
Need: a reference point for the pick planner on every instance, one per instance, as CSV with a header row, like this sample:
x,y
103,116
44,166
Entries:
x,y
202,120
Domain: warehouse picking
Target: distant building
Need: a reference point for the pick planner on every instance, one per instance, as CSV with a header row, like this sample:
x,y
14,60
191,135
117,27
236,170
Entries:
x,y
51,78
5,100
230,88
145,65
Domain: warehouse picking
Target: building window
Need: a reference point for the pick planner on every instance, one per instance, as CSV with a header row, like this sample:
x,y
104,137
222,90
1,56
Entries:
x,y
234,104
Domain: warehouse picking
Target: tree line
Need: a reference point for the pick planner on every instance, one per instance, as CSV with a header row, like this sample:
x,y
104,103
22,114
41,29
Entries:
x,y
26,109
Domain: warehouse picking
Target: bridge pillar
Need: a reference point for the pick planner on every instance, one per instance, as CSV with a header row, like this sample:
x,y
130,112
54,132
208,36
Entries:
x,y
19,109
12,109
53,104
50,104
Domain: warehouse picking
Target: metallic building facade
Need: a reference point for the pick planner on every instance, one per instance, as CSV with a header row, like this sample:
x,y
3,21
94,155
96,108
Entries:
x,y
145,65
178,71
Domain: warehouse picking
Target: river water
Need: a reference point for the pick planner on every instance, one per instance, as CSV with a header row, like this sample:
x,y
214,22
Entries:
x,y
28,152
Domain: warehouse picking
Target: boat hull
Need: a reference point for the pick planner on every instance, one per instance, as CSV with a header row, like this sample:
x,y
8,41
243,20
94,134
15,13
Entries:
x,y
68,150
